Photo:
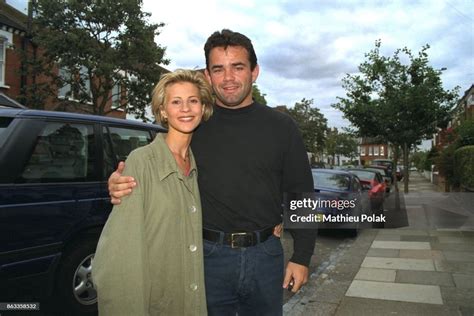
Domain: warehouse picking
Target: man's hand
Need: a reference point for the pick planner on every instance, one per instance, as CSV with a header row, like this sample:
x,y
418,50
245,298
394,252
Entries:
x,y
120,186
296,274
277,230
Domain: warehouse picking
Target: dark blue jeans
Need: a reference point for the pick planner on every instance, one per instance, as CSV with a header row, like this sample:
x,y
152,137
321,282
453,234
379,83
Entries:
x,y
244,281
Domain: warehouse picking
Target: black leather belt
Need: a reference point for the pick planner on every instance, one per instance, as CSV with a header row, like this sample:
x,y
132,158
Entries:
x,y
238,239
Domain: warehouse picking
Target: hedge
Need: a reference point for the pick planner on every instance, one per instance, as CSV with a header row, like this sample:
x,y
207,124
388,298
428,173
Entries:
x,y
464,166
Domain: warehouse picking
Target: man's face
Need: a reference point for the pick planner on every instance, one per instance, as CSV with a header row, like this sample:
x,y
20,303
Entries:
x,y
231,77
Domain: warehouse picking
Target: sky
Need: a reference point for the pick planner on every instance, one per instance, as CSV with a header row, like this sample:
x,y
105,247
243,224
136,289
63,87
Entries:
x,y
305,47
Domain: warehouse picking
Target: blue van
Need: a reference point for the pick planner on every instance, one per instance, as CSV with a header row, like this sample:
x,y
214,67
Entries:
x,y
54,201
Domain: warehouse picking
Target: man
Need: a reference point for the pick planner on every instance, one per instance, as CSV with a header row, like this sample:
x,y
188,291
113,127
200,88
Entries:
x,y
247,155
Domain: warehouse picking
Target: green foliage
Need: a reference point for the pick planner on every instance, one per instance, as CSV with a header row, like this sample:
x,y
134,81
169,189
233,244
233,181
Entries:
x,y
418,159
401,102
454,161
465,133
445,164
464,166
36,93
112,40
257,95
312,124
341,144
430,159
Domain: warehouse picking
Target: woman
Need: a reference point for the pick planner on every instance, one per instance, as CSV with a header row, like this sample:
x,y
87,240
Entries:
x,y
149,257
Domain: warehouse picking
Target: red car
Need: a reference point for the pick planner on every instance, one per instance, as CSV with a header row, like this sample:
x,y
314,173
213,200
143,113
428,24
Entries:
x,y
373,182
386,174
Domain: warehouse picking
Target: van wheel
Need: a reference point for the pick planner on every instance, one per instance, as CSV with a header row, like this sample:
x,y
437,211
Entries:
x,y
74,283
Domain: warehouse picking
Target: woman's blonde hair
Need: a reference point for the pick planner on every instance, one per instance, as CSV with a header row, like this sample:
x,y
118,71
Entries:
x,y
181,75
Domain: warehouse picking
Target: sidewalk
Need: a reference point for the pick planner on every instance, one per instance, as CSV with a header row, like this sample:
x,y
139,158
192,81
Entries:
x,y
396,272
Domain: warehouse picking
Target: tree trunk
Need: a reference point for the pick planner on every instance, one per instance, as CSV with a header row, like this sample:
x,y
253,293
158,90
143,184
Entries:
x,y
405,164
394,171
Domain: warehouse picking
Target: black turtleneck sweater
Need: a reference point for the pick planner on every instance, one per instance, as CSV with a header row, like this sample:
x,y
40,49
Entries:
x,y
246,159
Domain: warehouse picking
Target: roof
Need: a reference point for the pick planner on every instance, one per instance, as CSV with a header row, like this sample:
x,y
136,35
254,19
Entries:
x,y
333,171
75,116
11,17
377,167
6,101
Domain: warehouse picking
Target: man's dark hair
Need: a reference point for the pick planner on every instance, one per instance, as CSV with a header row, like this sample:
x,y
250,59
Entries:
x,y
227,38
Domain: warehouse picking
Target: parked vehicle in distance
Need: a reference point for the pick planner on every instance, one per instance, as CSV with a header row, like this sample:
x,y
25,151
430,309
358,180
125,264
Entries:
x,y
319,165
386,163
399,173
372,182
54,200
385,174
339,185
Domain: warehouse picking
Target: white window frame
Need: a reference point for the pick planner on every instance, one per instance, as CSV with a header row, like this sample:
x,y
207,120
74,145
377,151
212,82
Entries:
x,y
362,151
6,39
67,88
62,91
376,150
116,100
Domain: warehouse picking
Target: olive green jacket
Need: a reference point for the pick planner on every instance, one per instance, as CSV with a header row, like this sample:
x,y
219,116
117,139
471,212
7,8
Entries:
x,y
149,258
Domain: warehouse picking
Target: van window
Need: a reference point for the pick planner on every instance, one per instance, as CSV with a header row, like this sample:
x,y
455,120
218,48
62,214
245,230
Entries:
x,y
119,142
4,122
63,152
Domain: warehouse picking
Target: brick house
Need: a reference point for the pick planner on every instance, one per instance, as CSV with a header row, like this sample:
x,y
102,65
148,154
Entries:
x,y
13,33
371,149
464,110
465,107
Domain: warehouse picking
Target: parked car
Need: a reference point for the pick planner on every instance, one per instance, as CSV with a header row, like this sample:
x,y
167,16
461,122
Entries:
x,y
385,174
319,165
386,163
399,173
372,182
330,184
54,200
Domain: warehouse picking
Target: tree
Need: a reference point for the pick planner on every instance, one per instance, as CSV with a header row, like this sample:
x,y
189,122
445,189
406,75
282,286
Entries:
x,y
461,136
101,50
401,102
341,144
418,159
312,124
257,95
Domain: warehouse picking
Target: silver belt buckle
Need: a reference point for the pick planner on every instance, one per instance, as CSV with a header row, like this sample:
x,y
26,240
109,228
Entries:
x,y
232,242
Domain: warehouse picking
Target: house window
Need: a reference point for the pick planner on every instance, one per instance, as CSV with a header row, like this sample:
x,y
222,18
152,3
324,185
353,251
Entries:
x,y
64,152
382,151
362,151
74,93
6,38
371,150
116,97
376,150
65,90
84,75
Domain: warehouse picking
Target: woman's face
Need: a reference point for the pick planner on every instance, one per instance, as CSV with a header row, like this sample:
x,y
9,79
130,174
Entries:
x,y
183,107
